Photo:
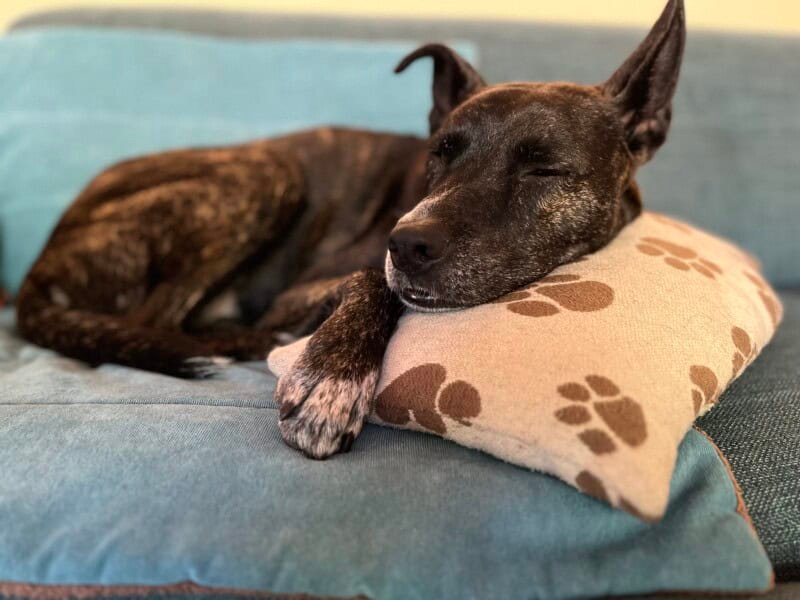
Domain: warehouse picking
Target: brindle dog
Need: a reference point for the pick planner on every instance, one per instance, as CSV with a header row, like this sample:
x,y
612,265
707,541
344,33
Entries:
x,y
169,261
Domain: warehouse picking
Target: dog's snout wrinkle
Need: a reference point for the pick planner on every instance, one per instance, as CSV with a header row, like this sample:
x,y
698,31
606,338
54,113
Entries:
x,y
416,246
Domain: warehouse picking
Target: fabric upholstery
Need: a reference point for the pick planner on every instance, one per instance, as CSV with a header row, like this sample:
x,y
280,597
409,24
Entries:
x,y
191,480
735,119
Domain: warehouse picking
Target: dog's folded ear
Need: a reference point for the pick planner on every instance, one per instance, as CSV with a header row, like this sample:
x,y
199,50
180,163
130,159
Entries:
x,y
454,79
643,86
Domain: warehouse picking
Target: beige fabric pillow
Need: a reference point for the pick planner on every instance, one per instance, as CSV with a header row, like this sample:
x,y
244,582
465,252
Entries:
x,y
593,374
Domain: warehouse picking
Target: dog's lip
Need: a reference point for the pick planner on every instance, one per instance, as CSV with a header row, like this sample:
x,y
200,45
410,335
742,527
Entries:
x,y
417,294
421,299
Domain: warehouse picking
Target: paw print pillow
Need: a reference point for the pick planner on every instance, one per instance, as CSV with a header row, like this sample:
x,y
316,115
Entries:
x,y
594,373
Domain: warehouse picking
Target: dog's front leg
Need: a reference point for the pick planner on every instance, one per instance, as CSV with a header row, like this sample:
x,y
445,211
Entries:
x,y
326,396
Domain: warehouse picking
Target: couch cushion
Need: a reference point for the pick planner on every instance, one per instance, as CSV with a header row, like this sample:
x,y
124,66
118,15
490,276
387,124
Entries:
x,y
756,427
763,401
117,492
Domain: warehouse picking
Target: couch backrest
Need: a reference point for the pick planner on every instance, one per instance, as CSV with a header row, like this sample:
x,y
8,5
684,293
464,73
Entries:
x,y
730,163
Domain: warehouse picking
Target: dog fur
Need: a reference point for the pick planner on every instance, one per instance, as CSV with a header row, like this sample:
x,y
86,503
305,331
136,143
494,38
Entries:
x,y
178,261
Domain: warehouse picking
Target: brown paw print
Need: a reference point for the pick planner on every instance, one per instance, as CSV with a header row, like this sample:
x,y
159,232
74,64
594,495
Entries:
x,y
678,257
592,485
412,396
745,350
770,303
707,390
621,414
563,290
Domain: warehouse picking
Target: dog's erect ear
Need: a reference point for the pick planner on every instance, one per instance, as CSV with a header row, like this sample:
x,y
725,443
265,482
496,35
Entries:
x,y
454,79
643,86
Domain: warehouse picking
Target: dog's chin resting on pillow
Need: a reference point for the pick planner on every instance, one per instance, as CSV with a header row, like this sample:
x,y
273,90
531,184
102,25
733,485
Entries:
x,y
595,372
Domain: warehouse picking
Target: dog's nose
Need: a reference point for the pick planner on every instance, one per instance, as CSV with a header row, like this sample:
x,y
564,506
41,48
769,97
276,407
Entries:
x,y
415,247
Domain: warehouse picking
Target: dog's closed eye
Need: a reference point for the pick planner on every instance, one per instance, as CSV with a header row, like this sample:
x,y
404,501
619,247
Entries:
x,y
551,171
448,147
535,160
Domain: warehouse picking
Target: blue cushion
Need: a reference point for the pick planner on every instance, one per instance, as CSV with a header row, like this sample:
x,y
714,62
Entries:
x,y
75,101
112,475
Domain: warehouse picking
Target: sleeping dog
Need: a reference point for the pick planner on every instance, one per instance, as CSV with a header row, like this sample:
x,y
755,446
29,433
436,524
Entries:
x,y
174,262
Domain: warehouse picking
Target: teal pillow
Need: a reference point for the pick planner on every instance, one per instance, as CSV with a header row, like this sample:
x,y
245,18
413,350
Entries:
x,y
76,100
117,476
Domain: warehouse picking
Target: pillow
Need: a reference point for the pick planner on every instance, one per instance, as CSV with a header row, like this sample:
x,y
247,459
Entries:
x,y
593,373
191,481
74,101
113,475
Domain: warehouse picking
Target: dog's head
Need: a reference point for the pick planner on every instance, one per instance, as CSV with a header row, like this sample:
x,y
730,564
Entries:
x,y
523,177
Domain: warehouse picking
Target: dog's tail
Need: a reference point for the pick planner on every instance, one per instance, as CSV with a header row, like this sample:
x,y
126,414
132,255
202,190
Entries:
x,y
100,338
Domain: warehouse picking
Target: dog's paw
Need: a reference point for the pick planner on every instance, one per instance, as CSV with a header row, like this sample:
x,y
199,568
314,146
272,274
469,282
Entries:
x,y
203,367
321,415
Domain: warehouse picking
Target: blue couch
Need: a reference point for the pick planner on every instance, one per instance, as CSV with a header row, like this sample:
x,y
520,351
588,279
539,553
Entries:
x,y
415,516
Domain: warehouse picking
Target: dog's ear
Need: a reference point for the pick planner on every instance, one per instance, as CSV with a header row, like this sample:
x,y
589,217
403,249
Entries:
x,y
454,79
643,86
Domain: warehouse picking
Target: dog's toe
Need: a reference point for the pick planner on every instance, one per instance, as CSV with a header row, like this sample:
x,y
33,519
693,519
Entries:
x,y
204,367
324,418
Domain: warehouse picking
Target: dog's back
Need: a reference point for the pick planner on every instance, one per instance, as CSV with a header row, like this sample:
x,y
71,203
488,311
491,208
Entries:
x,y
151,240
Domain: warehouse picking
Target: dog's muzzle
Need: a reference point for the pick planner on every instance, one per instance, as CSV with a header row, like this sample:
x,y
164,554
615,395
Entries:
x,y
413,296
415,246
